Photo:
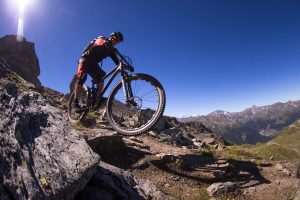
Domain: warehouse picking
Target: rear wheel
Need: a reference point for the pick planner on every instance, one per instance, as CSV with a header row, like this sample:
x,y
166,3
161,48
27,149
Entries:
x,y
142,111
83,101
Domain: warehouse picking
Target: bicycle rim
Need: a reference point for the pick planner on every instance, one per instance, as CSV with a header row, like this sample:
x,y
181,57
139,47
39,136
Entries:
x,y
144,109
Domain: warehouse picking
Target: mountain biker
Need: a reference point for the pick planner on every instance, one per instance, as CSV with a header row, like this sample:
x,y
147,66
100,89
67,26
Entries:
x,y
93,53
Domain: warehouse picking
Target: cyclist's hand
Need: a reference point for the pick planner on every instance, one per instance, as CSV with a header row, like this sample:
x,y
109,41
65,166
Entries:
x,y
129,67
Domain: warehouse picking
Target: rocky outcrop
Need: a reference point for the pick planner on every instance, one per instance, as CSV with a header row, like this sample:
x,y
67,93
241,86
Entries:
x,y
20,58
110,182
41,157
190,134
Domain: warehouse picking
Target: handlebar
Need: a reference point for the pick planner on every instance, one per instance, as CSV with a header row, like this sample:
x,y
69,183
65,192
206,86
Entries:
x,y
128,67
124,62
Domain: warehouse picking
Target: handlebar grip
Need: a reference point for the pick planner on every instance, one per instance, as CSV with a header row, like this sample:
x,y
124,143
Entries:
x,y
129,67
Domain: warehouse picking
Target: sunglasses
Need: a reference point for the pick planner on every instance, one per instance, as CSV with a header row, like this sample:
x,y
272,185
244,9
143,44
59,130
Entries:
x,y
115,39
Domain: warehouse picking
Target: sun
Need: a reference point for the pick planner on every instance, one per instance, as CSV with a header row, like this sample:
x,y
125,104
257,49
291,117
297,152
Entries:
x,y
23,3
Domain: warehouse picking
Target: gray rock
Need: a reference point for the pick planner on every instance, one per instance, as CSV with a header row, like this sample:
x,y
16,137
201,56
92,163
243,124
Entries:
x,y
221,188
110,182
278,167
41,158
153,133
161,125
136,145
286,172
135,139
21,58
197,144
204,145
170,132
149,190
210,141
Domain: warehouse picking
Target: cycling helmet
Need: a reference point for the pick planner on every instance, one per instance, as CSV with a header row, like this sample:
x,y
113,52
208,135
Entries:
x,y
118,35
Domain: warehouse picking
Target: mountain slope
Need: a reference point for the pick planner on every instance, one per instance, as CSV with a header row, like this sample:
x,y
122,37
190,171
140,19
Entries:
x,y
255,124
285,146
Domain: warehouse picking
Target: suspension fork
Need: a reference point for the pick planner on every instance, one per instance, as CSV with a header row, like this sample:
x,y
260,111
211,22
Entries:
x,y
127,88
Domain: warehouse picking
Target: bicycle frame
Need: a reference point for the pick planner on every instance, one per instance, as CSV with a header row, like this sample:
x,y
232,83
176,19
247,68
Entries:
x,y
112,74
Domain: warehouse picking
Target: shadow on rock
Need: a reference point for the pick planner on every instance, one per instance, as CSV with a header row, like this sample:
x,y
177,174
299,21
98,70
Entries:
x,y
247,173
298,171
113,150
208,170
124,159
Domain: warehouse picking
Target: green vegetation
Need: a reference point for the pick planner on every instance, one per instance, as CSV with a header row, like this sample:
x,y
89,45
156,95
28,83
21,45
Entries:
x,y
20,83
78,126
18,135
44,182
279,152
286,146
290,137
239,153
204,151
202,194
23,87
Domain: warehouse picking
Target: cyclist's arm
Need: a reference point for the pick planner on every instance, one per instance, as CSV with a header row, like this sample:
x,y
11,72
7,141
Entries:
x,y
115,58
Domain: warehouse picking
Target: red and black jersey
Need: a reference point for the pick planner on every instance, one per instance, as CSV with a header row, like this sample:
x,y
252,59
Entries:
x,y
98,49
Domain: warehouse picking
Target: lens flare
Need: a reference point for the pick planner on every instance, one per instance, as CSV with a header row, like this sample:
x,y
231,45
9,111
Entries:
x,y
20,34
22,5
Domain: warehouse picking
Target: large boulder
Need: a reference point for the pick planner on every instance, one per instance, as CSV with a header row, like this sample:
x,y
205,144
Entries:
x,y
40,156
21,58
110,182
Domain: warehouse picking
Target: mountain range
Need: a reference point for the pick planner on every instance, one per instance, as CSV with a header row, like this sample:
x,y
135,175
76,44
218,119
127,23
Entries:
x,y
252,125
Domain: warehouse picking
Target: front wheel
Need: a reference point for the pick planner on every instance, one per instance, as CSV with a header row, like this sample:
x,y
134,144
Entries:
x,y
141,112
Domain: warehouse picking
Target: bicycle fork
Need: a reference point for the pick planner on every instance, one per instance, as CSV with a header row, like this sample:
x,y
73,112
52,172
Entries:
x,y
127,89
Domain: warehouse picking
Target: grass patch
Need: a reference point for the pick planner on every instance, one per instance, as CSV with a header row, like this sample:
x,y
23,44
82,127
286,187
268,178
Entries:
x,y
204,151
23,87
259,152
239,152
78,126
202,194
277,151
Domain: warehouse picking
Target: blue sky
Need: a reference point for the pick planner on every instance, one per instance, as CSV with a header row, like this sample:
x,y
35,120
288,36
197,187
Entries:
x,y
209,54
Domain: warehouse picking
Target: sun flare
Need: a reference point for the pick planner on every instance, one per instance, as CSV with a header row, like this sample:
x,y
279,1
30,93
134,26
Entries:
x,y
22,4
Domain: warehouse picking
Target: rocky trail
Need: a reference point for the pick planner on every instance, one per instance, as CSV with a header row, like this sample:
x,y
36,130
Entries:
x,y
183,173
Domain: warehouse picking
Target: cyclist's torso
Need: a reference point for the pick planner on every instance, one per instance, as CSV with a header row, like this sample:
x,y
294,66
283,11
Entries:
x,y
98,49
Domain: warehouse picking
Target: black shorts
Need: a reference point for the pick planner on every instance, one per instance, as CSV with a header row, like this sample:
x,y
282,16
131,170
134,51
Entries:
x,y
91,68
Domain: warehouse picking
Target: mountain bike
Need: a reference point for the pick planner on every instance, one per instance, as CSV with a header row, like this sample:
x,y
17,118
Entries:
x,y
134,105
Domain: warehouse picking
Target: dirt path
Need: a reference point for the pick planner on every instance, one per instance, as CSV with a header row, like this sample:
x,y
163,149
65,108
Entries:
x,y
185,174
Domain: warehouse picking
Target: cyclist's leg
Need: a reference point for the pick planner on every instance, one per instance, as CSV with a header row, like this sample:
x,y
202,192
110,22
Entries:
x,y
97,74
81,78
